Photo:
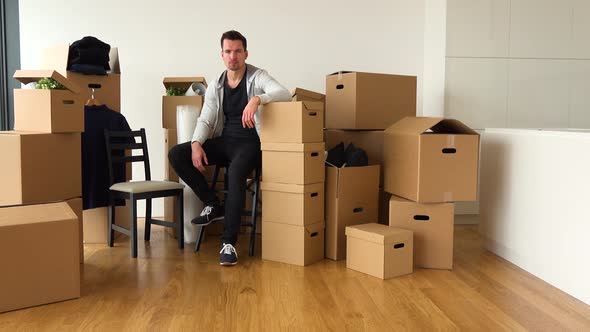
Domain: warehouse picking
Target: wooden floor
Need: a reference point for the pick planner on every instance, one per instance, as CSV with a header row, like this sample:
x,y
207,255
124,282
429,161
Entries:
x,y
169,289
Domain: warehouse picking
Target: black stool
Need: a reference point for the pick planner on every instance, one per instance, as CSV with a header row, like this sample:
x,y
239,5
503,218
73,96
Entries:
x,y
252,188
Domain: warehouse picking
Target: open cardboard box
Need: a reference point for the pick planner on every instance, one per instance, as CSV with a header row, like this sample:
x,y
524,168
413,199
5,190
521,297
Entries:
x,y
169,103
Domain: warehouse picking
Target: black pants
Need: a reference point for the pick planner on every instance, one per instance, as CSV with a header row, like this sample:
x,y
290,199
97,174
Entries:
x,y
242,156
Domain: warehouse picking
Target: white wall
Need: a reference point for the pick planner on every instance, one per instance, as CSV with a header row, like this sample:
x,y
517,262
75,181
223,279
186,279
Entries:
x,y
299,43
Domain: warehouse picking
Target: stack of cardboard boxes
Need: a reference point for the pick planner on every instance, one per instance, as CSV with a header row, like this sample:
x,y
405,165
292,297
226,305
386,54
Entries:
x,y
293,182
40,196
429,164
106,89
359,107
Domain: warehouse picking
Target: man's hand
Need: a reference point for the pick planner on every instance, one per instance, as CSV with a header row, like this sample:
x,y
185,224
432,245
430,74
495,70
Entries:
x,y
199,157
249,111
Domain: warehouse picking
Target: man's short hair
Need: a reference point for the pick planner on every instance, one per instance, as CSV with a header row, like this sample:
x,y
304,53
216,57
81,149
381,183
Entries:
x,y
234,35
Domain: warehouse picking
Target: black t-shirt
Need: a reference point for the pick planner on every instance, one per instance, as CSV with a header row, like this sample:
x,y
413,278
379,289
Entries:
x,y
234,102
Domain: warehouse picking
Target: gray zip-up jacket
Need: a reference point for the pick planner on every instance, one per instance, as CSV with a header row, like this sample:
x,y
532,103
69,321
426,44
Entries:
x,y
258,83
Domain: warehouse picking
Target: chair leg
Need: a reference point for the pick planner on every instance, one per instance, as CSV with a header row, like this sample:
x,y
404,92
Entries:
x,y
133,228
180,219
254,216
110,231
200,234
148,218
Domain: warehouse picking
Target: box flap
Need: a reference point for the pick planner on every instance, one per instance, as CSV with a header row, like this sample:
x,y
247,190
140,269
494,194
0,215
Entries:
x,y
317,227
20,133
293,147
182,82
308,93
291,188
353,179
413,125
313,105
29,214
114,61
342,72
452,126
55,57
28,76
377,233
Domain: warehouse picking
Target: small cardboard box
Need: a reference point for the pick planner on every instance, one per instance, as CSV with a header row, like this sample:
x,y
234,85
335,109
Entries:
x,y
109,90
169,103
368,101
293,204
378,250
369,140
432,225
170,140
431,160
39,167
76,206
300,94
96,223
352,198
292,122
298,245
39,253
47,111
293,163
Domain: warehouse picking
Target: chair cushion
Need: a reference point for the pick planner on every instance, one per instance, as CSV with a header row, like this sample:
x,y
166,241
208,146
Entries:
x,y
145,186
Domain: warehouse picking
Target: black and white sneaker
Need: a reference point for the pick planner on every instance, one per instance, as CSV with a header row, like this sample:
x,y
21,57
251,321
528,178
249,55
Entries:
x,y
229,256
209,214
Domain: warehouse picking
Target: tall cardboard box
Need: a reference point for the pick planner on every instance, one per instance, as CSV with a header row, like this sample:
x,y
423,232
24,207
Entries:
x,y
300,94
47,111
357,100
369,140
297,245
293,163
39,251
352,198
38,167
378,250
292,203
76,206
431,160
170,140
108,91
169,103
432,225
292,122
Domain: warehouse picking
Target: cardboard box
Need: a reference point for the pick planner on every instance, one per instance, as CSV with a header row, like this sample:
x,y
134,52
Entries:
x,y
432,225
76,205
298,245
293,204
170,140
38,167
96,222
39,251
300,94
352,198
47,111
292,122
368,101
431,160
169,103
383,207
293,163
378,250
109,93
369,140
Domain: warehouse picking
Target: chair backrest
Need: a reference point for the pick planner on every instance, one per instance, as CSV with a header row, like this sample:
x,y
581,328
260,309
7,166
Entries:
x,y
117,142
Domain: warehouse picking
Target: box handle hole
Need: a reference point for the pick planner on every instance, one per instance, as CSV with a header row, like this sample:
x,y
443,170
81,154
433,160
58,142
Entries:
x,y
94,86
398,246
449,150
314,154
314,234
420,217
357,210
340,86
312,113
68,102
314,194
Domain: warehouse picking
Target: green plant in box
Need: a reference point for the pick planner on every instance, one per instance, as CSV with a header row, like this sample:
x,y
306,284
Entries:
x,y
49,83
174,91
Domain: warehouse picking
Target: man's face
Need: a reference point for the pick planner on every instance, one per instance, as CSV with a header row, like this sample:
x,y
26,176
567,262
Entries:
x,y
233,54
